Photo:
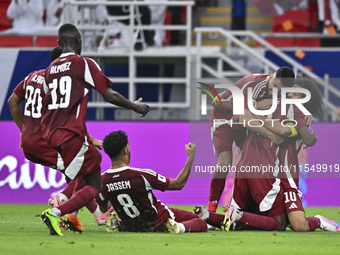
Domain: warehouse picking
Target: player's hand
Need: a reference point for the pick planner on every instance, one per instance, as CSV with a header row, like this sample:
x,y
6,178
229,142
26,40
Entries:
x,y
97,143
265,104
191,149
143,109
221,95
312,134
276,139
308,119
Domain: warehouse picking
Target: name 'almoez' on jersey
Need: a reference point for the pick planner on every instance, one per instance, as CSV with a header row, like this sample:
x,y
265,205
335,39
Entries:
x,y
60,68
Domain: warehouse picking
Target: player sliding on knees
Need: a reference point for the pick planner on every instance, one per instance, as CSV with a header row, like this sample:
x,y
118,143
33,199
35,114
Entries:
x,y
129,190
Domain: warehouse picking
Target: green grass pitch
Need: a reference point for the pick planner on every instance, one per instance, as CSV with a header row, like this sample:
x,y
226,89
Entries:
x,y
22,232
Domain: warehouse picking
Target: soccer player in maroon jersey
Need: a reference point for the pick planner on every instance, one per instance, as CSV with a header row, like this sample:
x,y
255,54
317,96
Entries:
x,y
129,190
68,81
224,135
286,155
35,148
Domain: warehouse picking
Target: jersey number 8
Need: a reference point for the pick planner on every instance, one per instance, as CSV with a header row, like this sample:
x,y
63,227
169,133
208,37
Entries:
x,y
127,203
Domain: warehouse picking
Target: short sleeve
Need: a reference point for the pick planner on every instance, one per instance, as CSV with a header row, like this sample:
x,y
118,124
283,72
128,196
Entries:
x,y
20,89
154,180
294,113
95,77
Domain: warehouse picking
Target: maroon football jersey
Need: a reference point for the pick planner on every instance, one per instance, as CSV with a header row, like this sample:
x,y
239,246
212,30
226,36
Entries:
x,y
130,192
289,149
256,81
31,90
69,80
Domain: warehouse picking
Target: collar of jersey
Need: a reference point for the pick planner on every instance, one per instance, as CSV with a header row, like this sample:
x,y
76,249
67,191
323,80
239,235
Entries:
x,y
67,54
119,169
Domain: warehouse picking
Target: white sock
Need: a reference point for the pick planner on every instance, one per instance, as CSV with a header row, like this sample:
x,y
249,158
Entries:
x,y
97,213
206,216
181,227
239,215
56,212
63,198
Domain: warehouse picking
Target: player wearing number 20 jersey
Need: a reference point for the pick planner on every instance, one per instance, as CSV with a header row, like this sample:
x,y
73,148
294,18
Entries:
x,y
34,146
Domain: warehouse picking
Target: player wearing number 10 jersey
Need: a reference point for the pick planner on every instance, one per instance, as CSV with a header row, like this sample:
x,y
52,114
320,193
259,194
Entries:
x,y
129,190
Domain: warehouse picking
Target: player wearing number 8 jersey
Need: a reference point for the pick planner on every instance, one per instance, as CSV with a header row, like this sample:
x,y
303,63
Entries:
x,y
68,81
129,190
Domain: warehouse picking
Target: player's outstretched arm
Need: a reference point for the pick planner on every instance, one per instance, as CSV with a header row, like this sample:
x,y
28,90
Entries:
x,y
308,138
181,179
115,98
256,126
14,103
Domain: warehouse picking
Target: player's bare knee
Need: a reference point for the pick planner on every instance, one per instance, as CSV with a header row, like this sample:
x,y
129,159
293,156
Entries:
x,y
281,219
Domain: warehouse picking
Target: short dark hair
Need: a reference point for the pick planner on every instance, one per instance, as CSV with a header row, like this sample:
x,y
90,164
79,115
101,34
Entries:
x,y
315,104
286,76
56,52
114,143
67,32
68,29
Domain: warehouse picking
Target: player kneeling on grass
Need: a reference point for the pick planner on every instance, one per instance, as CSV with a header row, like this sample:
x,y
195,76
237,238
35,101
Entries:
x,y
129,190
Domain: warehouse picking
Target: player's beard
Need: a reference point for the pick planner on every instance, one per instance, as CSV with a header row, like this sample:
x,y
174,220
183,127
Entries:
x,y
129,155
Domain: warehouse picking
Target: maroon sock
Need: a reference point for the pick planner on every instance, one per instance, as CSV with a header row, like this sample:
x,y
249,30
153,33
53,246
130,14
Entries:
x,y
260,222
313,223
92,206
195,225
215,219
68,191
216,189
79,199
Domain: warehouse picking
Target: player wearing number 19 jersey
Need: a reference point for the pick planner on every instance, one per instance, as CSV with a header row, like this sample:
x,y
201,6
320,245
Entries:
x,y
68,81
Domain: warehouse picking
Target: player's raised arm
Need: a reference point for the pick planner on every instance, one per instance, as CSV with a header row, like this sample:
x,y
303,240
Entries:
x,y
115,98
181,179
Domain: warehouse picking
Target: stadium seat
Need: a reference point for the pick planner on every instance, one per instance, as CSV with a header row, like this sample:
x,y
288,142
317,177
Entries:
x,y
167,21
308,42
299,19
16,41
281,42
5,23
46,41
293,21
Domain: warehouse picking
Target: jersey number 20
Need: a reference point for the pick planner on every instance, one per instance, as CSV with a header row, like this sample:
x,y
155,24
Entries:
x,y
33,99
